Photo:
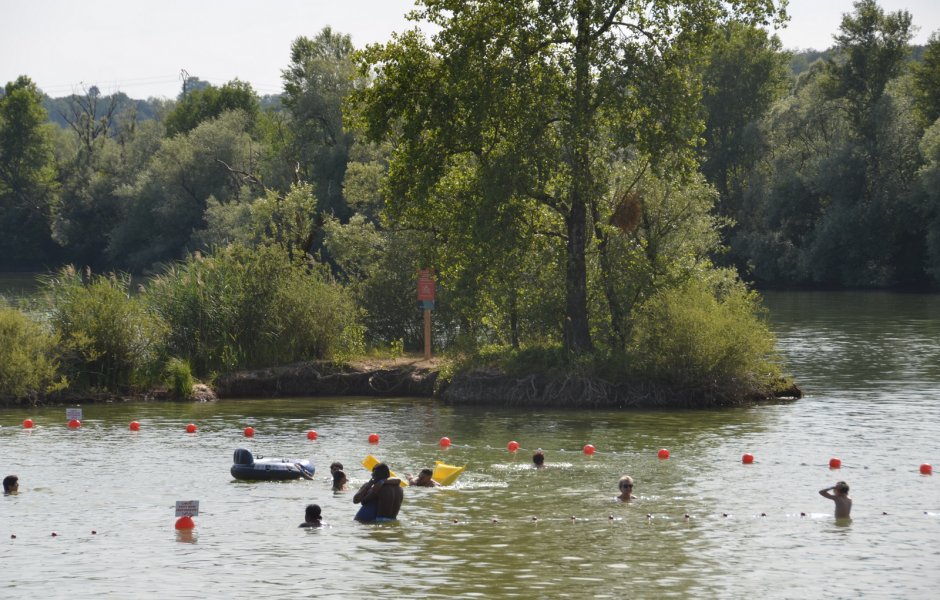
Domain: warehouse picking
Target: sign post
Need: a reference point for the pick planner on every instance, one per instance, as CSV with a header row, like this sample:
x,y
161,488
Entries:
x,y
426,298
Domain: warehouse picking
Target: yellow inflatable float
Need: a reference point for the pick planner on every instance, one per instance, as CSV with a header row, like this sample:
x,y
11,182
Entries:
x,y
443,474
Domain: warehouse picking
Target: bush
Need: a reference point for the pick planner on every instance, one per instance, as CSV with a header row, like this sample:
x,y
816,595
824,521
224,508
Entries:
x,y
249,308
109,339
28,367
178,378
704,333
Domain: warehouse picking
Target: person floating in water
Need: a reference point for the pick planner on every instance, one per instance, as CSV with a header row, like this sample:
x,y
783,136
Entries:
x,y
538,459
339,481
381,496
11,484
839,494
423,479
312,516
626,489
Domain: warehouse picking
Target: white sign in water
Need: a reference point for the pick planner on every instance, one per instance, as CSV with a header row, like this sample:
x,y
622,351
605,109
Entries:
x,y
73,413
187,508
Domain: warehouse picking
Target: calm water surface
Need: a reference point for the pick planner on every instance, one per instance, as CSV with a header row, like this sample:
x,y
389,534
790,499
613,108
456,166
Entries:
x,y
869,363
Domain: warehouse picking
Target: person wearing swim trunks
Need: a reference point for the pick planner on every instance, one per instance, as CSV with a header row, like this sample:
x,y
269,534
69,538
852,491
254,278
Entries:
x,y
381,496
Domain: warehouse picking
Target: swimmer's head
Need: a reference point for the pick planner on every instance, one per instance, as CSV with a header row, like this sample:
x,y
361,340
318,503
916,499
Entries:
x,y
336,466
842,487
425,476
381,471
312,513
339,478
538,458
625,484
11,483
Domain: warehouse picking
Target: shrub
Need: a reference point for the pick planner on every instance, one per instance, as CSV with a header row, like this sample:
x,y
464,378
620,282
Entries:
x,y
28,367
704,333
178,378
109,339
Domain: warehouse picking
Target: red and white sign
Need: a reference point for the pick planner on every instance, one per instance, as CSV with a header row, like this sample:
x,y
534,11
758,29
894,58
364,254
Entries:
x,y
425,285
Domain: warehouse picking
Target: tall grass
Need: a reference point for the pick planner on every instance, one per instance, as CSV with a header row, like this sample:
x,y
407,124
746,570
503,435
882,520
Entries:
x,y
28,367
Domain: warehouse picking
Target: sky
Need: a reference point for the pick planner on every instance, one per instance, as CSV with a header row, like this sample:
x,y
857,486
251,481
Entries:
x,y
142,48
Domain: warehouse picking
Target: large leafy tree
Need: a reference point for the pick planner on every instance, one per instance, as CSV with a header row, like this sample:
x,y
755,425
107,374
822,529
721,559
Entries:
x,y
27,177
210,102
516,108
927,82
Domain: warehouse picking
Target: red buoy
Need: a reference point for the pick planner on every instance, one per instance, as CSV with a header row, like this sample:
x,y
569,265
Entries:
x,y
589,449
191,428
249,431
512,446
445,442
311,435
373,438
835,463
28,424
748,458
663,454
926,469
75,424
185,523
135,426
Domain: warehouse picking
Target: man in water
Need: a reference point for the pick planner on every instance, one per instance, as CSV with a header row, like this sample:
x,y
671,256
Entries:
x,y
11,484
312,516
423,479
380,497
840,497
626,489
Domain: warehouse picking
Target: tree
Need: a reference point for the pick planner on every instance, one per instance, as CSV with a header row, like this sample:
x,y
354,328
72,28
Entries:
x,y
927,82
28,193
531,100
210,102
317,82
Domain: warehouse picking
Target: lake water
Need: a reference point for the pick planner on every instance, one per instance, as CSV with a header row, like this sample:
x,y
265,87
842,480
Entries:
x,y
869,364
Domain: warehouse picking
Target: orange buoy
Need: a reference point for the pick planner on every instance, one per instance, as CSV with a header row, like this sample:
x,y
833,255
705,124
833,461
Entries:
x,y
311,435
185,523
75,424
28,424
835,463
445,442
589,449
191,428
512,446
249,431
926,469
748,458
135,426
373,438
663,454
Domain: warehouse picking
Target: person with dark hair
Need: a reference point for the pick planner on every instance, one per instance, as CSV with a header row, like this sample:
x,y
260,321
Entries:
x,y
381,496
538,459
11,484
312,517
336,466
423,479
339,480
840,497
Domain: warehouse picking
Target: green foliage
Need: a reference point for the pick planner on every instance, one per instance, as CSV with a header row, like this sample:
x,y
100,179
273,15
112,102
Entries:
x,y
927,82
28,365
109,339
178,377
210,102
246,308
28,194
704,333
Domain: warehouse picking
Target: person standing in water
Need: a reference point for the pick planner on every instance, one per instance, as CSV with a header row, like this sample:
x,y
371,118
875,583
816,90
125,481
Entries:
x,y
839,494
626,489
381,496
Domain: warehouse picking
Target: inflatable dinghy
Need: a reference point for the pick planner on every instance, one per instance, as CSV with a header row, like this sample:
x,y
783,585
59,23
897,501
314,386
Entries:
x,y
247,468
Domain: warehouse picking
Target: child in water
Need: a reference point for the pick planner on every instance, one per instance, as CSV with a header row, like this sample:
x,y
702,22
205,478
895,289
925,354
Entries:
x,y
312,516
339,481
840,495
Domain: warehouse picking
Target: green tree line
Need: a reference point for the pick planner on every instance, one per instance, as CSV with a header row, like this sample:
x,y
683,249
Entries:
x,y
588,176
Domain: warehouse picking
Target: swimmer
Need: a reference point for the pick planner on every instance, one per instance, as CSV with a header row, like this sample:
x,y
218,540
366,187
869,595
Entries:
x,y
423,479
626,489
312,516
538,459
336,466
339,481
381,496
11,484
839,495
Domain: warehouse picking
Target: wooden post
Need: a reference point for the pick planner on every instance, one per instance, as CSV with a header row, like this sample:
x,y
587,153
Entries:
x,y
427,334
